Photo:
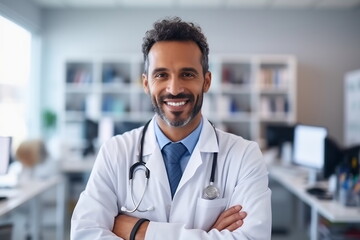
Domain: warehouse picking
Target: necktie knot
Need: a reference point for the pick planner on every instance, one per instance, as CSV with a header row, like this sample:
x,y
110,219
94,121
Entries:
x,y
172,154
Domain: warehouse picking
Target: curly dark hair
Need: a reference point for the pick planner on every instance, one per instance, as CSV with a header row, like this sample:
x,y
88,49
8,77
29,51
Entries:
x,y
174,29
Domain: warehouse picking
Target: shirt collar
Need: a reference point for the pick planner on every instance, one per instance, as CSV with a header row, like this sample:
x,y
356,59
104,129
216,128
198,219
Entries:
x,y
189,142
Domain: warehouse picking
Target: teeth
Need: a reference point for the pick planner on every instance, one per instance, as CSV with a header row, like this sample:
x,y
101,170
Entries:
x,y
176,104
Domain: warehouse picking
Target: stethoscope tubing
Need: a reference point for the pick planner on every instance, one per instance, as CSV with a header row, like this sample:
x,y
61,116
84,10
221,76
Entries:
x,y
142,165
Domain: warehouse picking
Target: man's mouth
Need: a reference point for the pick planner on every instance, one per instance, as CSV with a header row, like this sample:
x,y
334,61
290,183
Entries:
x,y
175,104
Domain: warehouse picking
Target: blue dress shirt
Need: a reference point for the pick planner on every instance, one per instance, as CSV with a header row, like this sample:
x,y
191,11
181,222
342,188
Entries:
x,y
189,142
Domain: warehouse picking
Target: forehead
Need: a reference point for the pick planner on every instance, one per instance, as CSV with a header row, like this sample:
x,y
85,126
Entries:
x,y
170,53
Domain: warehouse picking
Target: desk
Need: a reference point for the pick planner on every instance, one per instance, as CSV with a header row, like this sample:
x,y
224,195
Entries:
x,y
293,180
76,167
30,192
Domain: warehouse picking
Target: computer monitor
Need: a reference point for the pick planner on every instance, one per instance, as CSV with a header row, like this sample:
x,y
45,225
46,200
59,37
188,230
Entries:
x,y
309,149
351,158
90,129
333,157
5,154
277,134
90,134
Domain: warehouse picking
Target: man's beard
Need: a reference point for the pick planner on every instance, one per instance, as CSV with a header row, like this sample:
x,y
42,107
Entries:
x,y
178,122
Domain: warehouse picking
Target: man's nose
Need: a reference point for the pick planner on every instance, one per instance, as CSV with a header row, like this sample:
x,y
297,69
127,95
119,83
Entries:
x,y
174,86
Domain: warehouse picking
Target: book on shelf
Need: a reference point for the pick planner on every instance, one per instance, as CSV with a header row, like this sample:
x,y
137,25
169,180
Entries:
x,y
273,105
78,75
235,76
111,75
112,104
228,105
274,78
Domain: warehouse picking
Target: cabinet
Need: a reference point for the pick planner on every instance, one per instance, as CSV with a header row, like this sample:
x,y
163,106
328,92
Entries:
x,y
103,96
247,93
352,109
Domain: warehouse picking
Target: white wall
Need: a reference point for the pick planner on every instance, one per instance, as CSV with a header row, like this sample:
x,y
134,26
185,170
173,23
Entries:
x,y
22,12
326,44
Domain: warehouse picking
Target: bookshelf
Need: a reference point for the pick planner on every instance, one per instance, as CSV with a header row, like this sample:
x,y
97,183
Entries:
x,y
247,93
252,91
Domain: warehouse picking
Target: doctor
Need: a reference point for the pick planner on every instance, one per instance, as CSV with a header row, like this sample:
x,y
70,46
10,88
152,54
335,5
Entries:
x,y
221,191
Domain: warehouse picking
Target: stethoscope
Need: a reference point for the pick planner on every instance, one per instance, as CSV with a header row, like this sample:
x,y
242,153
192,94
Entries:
x,y
210,192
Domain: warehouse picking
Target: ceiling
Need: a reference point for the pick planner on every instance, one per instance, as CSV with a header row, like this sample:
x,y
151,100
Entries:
x,y
258,4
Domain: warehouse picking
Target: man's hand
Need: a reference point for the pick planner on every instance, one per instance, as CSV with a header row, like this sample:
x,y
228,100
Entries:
x,y
231,219
124,224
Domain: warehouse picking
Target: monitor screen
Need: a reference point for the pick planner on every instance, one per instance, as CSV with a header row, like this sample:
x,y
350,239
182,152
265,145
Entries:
x,y
5,154
90,129
333,157
277,134
309,146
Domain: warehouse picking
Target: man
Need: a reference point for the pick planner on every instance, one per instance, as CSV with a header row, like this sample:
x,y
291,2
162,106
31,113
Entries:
x,y
176,76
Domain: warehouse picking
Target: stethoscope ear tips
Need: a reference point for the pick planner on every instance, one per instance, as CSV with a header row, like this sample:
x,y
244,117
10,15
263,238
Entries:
x,y
150,208
124,209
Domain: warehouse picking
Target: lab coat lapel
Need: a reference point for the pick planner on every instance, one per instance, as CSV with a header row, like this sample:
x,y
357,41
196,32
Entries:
x,y
207,144
194,162
154,160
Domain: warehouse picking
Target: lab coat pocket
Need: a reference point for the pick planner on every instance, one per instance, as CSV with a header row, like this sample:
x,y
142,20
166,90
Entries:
x,y
207,211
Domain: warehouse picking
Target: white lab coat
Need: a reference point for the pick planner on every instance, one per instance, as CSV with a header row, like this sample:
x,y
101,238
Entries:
x,y
241,177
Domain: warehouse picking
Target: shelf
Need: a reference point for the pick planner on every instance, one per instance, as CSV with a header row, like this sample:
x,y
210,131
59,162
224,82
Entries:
x,y
274,91
74,116
239,117
235,88
133,117
116,88
276,117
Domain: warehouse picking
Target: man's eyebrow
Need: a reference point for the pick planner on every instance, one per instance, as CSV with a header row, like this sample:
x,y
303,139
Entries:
x,y
185,69
159,70
190,69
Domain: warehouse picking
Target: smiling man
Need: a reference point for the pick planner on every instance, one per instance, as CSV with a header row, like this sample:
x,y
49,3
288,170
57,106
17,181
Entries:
x,y
178,177
176,84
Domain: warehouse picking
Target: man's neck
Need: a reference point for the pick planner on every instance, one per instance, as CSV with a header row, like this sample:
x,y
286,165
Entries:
x,y
175,134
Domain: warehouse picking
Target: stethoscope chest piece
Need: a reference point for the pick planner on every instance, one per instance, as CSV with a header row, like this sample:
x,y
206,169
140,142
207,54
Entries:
x,y
211,192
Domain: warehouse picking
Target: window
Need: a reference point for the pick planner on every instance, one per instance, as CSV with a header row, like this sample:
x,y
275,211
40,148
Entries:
x,y
15,50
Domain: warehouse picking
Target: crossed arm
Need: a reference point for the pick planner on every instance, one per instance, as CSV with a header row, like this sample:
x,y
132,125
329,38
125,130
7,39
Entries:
x,y
230,219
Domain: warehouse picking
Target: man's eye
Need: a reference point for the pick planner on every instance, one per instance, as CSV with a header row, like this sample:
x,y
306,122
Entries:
x,y
160,75
188,74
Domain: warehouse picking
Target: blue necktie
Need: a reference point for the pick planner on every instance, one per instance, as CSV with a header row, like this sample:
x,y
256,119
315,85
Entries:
x,y
172,153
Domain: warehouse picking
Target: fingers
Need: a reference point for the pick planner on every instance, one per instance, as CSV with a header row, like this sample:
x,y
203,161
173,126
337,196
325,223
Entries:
x,y
238,222
230,211
230,219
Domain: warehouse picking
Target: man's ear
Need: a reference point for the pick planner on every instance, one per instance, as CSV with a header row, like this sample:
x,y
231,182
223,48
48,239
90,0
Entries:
x,y
145,83
207,81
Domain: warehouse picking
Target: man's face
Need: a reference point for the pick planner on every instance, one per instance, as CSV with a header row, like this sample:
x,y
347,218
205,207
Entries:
x,y
175,81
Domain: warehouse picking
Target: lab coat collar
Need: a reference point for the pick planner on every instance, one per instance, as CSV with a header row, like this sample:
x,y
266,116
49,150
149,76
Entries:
x,y
207,140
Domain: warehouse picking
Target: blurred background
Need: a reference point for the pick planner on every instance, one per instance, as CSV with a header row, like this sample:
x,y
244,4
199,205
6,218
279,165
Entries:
x,y
70,78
